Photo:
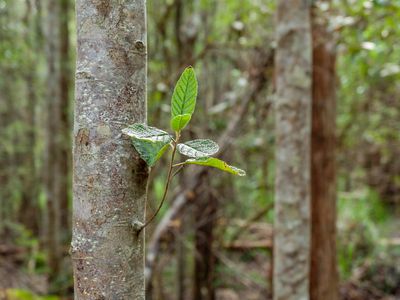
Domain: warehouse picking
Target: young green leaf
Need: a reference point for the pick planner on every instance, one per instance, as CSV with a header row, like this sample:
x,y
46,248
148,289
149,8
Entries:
x,y
216,163
149,142
198,148
150,151
185,94
144,132
180,121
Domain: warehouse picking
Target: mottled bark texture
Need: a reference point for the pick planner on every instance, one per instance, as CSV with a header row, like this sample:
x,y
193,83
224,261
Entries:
x,y
109,183
323,272
293,131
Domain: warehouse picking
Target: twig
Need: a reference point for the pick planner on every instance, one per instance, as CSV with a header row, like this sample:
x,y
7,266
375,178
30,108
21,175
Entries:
x,y
245,245
177,171
168,181
179,164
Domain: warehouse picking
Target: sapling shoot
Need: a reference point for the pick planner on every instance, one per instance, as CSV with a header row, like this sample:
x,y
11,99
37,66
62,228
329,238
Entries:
x,y
151,143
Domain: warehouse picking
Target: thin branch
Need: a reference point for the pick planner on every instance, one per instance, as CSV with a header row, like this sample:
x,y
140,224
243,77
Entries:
x,y
177,171
179,164
168,181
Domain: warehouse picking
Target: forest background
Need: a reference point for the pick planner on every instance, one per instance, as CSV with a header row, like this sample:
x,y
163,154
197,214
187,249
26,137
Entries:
x,y
228,221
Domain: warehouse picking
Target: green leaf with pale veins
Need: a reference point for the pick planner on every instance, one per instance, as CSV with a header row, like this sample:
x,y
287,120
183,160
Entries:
x,y
198,148
216,163
185,94
149,142
144,132
150,151
180,121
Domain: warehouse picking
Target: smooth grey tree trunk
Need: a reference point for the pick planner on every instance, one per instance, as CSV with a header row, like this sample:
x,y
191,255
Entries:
x,y
109,183
293,129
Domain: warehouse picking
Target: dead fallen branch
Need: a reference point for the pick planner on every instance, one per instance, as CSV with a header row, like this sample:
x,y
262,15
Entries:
x,y
253,219
248,245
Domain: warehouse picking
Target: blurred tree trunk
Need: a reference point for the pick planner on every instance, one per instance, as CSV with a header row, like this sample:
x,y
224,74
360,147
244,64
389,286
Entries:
x,y
293,132
57,159
10,116
7,111
64,117
53,175
205,216
181,259
323,272
29,208
109,183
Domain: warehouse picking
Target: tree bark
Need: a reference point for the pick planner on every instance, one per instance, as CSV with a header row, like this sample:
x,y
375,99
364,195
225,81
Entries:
x,y
323,272
293,132
109,183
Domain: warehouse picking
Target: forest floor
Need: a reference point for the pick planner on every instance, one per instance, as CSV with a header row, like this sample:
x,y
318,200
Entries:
x,y
13,274
242,273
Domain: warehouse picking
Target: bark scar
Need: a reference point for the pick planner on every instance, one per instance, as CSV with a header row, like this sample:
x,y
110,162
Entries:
x,y
103,7
82,138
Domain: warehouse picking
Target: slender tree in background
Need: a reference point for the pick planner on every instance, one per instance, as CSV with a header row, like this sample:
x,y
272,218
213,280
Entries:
x,y
323,272
52,172
293,131
29,213
18,165
8,110
109,183
57,155
65,100
205,211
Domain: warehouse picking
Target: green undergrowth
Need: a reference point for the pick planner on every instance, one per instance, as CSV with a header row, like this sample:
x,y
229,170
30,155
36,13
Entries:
x,y
362,219
17,294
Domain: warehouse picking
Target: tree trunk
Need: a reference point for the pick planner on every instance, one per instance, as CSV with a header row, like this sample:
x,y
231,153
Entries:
x,y
205,217
52,156
109,183
64,160
57,159
29,208
323,272
293,132
29,212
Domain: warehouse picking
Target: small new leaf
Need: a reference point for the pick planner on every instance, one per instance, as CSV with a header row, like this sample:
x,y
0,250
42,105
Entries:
x,y
216,163
198,148
185,94
180,121
144,132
